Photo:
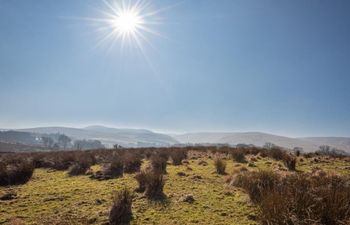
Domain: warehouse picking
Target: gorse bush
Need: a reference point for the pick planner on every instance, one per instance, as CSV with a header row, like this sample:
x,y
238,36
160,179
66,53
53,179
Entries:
x,y
220,165
121,213
15,172
299,198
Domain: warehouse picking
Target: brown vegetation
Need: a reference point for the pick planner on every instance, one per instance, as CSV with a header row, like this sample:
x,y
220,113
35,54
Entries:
x,y
15,172
298,198
154,185
220,166
121,213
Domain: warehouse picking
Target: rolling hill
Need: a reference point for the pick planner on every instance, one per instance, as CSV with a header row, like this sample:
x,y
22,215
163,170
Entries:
x,y
259,139
146,138
110,136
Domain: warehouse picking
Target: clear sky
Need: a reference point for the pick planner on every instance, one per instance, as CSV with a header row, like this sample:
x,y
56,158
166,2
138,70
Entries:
x,y
275,66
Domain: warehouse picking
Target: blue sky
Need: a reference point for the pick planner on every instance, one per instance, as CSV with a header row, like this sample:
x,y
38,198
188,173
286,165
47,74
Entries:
x,y
231,65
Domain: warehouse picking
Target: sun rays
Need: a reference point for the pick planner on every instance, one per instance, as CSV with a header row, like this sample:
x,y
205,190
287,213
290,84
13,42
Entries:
x,y
127,24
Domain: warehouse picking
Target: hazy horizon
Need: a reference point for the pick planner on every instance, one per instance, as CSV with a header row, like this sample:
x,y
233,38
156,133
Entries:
x,y
280,67
168,132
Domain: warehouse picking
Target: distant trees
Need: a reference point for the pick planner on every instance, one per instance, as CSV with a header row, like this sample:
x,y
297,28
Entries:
x,y
325,148
328,150
269,145
47,141
87,144
63,141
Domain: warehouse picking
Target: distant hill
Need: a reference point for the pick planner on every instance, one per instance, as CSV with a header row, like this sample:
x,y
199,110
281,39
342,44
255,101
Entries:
x,y
12,136
17,147
259,139
146,138
338,142
110,136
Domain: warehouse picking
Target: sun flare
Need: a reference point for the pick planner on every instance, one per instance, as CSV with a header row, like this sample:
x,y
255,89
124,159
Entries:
x,y
127,22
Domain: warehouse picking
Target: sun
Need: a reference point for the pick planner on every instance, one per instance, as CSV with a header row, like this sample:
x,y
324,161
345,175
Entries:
x,y
127,22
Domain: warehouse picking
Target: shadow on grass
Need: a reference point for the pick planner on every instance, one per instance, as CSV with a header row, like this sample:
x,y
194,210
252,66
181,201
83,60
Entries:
x,y
162,201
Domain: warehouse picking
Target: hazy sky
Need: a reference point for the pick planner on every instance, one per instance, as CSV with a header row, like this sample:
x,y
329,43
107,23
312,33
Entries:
x,y
233,65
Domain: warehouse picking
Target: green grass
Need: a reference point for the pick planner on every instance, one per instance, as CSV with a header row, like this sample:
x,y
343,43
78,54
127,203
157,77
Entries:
x,y
50,194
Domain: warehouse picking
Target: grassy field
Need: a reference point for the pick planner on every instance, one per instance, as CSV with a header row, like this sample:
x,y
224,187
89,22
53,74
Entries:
x,y
52,195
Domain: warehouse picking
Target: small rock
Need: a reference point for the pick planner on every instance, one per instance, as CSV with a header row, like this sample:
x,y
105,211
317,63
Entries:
x,y
187,198
223,214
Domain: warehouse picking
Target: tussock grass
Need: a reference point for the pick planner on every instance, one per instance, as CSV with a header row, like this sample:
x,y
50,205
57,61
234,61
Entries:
x,y
220,166
298,198
15,172
121,213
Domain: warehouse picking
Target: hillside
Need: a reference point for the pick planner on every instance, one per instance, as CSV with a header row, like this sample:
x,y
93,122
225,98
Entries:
x,y
110,136
259,139
16,147
146,138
